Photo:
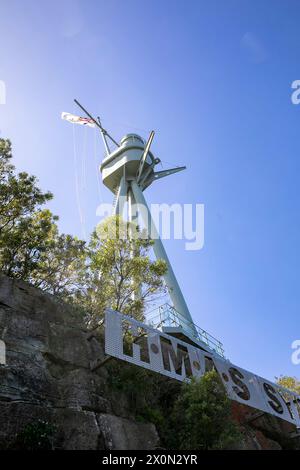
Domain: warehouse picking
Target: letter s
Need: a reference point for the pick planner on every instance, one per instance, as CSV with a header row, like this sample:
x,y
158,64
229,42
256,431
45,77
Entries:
x,y
241,389
274,402
296,94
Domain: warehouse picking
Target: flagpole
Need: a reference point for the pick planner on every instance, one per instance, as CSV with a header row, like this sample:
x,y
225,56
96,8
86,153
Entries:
x,y
97,123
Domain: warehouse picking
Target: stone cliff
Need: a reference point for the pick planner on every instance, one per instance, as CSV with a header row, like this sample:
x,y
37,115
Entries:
x,y
48,377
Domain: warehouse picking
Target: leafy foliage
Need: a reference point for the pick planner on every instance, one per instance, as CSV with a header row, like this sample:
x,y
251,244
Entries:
x,y
120,273
150,396
292,383
38,435
201,416
19,195
195,415
62,266
113,270
30,246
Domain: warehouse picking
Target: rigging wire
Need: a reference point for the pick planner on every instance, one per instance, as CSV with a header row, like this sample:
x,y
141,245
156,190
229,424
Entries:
x,y
84,155
77,188
97,168
81,179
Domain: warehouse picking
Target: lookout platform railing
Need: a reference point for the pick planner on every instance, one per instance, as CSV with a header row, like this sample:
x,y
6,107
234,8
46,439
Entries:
x,y
166,316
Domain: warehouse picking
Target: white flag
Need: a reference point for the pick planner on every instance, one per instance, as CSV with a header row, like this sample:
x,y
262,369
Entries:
x,y
77,119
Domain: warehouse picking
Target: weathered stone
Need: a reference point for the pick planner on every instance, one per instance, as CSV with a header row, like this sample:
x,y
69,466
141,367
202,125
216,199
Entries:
x,y
75,429
80,430
120,433
48,375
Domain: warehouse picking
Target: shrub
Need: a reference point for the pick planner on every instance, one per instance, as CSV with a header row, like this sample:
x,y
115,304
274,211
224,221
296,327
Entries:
x,y
35,436
201,417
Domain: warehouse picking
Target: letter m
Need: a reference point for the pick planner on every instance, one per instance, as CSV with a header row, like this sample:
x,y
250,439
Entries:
x,y
178,357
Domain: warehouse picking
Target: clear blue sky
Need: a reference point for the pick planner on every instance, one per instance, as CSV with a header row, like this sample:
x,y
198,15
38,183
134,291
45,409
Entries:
x,y
213,79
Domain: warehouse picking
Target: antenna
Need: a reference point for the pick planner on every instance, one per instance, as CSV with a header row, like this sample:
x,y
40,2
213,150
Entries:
x,y
144,156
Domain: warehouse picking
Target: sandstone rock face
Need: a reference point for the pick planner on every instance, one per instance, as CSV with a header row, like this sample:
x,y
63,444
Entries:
x,y
48,376
263,431
120,433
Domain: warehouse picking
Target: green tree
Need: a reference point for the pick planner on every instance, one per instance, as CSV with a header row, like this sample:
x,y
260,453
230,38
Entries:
x,y
31,247
120,273
61,267
292,383
19,194
115,270
201,416
22,244
37,435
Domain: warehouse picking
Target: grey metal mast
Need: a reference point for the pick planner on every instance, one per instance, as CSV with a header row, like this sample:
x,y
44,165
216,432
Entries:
x,y
127,171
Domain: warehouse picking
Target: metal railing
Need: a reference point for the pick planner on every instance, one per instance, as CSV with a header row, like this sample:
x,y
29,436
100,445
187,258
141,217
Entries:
x,y
166,316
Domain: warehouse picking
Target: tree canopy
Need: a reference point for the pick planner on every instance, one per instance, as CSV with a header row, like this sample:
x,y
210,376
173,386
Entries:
x,y
201,416
111,270
120,273
292,383
31,247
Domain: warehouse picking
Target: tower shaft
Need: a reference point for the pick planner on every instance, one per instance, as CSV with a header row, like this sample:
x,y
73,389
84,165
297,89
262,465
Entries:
x,y
174,290
132,193
127,171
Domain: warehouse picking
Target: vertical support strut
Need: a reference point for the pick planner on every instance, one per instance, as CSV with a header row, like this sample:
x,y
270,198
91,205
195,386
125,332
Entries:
x,y
133,219
132,212
160,253
121,197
